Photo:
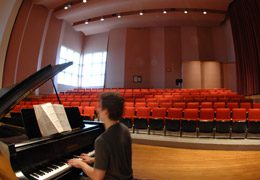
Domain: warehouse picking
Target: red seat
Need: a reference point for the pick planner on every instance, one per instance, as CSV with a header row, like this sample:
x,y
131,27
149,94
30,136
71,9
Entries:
x,y
232,105
246,105
206,105
193,105
156,121
141,119
89,112
223,120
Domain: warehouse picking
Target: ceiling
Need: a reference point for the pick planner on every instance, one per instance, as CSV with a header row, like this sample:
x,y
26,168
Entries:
x,y
93,10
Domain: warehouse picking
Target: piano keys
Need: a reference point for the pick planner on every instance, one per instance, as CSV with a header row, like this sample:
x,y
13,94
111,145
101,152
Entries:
x,y
45,158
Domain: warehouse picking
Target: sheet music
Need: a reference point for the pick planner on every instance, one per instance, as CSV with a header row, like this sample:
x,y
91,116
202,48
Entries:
x,y
50,111
45,125
61,114
51,118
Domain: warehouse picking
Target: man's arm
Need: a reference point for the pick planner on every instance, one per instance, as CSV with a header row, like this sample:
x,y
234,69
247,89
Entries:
x,y
93,173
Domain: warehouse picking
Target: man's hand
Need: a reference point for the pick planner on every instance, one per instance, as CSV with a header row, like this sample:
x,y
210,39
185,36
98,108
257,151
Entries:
x,y
76,162
86,158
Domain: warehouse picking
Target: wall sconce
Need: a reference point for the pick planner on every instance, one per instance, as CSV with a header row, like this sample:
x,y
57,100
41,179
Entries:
x,y
137,79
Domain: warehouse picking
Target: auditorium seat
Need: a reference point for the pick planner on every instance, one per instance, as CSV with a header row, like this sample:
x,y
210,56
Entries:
x,y
238,121
193,105
223,120
140,104
190,119
256,105
206,105
152,104
165,105
141,119
206,121
75,104
89,112
246,105
173,120
179,105
219,105
127,119
253,121
232,105
156,121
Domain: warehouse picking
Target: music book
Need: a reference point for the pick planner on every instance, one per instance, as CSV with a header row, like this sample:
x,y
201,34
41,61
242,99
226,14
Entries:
x,y
51,118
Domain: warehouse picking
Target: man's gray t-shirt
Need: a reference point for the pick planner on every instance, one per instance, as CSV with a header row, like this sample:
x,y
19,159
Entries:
x,y
113,152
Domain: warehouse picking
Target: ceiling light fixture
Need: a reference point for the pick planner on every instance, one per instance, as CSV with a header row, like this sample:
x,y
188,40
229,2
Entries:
x,y
86,22
84,1
204,12
164,12
141,13
67,6
118,16
185,12
102,19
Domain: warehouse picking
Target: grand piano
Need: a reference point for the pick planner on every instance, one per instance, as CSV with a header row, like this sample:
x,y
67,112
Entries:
x,y
45,157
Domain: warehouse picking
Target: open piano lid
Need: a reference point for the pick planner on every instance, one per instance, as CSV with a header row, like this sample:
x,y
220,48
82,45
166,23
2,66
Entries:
x,y
9,98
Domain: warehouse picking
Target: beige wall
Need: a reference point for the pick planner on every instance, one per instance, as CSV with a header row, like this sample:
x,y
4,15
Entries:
x,y
201,74
115,67
189,43
229,76
137,58
210,74
34,43
8,13
192,74
156,54
172,39
157,58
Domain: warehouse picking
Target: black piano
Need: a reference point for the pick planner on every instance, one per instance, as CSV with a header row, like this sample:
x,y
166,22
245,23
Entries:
x,y
37,157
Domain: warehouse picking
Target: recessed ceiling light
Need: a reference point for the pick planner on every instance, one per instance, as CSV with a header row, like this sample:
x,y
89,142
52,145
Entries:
x,y
141,13
185,12
102,19
118,16
66,7
164,12
204,12
86,22
84,1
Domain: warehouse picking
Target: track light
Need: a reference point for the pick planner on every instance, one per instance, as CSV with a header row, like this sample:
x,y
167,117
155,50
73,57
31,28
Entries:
x,y
67,6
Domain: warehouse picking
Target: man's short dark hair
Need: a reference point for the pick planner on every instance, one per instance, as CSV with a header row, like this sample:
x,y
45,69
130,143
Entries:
x,y
114,103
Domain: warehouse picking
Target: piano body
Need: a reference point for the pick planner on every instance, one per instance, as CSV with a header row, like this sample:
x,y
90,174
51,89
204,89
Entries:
x,y
46,157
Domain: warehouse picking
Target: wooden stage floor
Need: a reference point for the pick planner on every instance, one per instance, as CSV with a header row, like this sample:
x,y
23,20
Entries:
x,y
167,163
158,157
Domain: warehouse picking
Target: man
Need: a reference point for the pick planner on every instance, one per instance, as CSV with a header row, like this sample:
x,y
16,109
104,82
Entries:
x,y
113,151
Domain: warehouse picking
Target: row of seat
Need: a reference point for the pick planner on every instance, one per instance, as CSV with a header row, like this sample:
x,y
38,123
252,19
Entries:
x,y
153,90
206,120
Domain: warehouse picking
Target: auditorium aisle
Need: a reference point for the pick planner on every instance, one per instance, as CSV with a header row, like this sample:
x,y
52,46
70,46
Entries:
x,y
164,163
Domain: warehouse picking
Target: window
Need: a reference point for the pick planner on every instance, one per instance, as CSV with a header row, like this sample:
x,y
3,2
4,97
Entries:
x,y
93,70
86,72
71,75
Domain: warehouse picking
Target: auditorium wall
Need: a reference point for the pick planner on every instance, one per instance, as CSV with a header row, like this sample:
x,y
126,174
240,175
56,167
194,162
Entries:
x,y
34,43
115,73
156,53
8,12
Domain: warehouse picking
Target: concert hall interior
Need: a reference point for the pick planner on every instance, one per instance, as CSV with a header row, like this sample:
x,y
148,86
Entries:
x,y
189,72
